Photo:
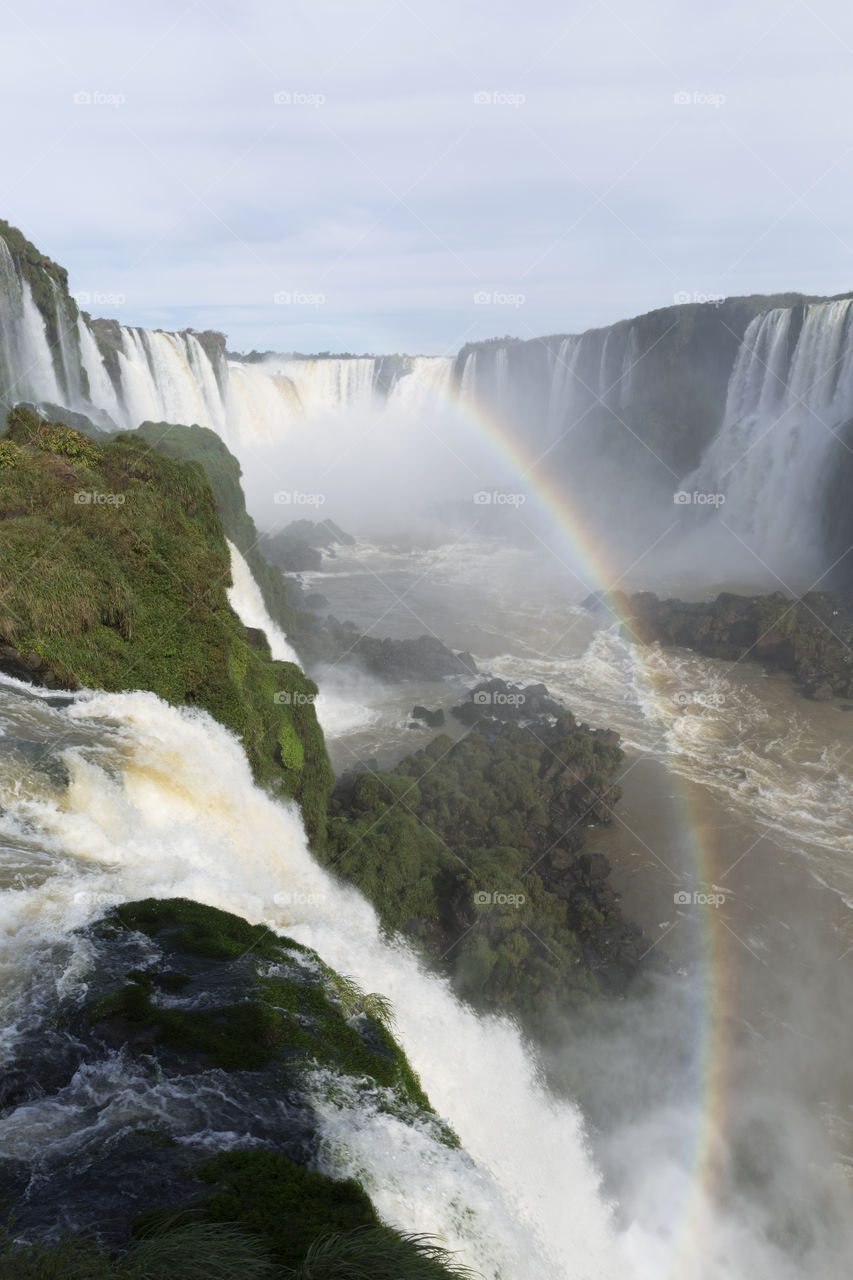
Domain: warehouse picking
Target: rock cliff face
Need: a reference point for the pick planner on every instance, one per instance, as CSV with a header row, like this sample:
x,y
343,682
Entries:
x,y
651,389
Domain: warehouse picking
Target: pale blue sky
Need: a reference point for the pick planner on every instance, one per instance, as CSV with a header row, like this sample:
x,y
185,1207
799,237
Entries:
x,y
383,196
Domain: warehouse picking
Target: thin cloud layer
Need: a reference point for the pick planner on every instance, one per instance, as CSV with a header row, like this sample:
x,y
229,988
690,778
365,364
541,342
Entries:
x,y
410,176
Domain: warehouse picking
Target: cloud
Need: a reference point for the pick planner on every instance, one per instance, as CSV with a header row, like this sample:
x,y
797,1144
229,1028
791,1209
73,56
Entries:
x,y
599,160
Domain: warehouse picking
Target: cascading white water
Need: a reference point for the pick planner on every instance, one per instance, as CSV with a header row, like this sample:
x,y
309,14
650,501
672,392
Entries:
x,y
342,703
246,600
783,412
562,381
101,389
328,385
428,378
65,327
556,382
161,380
38,368
160,802
28,369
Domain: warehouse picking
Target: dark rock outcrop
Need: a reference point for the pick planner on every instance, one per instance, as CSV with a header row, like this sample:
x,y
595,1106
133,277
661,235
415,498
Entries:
x,y
495,700
433,719
299,547
811,637
421,658
33,669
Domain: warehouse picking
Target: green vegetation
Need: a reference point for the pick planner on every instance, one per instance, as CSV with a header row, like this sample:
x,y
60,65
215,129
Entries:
x,y
454,847
199,930
279,1248
250,1001
190,1251
258,1003
379,1254
114,571
200,444
283,1014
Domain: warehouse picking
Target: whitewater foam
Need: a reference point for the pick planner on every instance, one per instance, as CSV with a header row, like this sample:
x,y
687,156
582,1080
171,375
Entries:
x,y
178,814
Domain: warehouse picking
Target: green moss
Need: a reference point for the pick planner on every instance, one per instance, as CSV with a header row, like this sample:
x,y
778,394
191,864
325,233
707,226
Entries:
x,y
288,1013
321,1029
223,471
238,1037
292,752
201,930
284,1203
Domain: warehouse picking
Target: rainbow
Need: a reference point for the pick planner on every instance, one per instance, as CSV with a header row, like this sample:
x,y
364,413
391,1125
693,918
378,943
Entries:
x,y
690,1246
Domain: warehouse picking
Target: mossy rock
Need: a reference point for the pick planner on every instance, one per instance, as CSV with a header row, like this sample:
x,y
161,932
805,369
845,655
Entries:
x,y
287,1013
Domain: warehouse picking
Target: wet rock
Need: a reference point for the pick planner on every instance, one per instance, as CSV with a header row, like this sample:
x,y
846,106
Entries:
x,y
433,719
422,658
500,700
205,1026
811,638
33,669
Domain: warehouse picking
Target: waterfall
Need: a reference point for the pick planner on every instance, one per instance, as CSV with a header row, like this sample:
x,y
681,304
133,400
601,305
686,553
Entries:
x,y
790,393
160,801
428,381
66,325
246,600
549,386
101,390
28,368
622,409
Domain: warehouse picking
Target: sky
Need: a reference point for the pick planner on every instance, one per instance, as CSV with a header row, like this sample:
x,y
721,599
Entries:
x,y
411,175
